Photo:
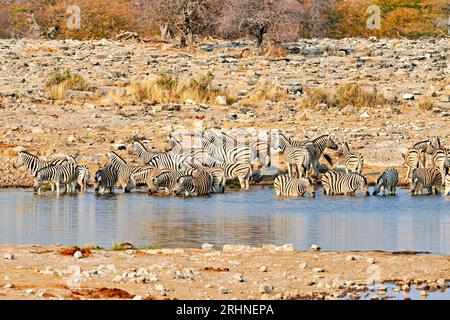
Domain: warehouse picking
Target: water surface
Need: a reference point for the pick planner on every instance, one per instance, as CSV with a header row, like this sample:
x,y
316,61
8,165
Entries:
x,y
420,223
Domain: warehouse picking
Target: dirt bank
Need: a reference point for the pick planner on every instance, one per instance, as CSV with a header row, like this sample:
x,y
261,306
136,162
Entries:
x,y
268,272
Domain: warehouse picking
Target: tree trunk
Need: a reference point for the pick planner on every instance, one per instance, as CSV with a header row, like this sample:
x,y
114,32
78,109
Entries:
x,y
166,32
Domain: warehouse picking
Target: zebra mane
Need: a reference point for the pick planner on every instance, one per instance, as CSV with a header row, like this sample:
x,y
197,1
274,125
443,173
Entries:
x,y
29,154
321,137
140,145
115,158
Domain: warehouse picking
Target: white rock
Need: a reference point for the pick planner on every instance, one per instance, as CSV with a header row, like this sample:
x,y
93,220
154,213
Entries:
x,y
223,290
207,246
288,247
221,100
263,269
315,248
29,291
8,286
78,254
364,115
8,256
137,297
408,96
318,270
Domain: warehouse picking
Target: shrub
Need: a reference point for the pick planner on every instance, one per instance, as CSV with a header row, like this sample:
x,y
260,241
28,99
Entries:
x,y
60,81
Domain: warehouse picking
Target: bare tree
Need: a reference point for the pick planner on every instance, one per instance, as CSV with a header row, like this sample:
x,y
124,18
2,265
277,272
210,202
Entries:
x,y
185,18
260,18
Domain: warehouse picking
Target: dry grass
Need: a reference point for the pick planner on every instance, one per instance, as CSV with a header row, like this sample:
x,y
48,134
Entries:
x,y
425,104
40,48
60,81
263,94
347,94
165,89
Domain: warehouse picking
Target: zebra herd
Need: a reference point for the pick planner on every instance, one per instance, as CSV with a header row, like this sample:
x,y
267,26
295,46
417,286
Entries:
x,y
205,169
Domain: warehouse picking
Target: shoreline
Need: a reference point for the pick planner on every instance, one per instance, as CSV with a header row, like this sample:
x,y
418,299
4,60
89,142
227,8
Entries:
x,y
230,272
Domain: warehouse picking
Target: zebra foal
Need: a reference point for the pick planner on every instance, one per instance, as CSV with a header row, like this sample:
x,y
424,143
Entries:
x,y
387,181
428,178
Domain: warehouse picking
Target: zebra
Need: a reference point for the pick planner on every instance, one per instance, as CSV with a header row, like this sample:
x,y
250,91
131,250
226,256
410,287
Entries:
x,y
174,147
217,175
335,183
428,146
144,155
59,175
441,161
146,176
388,180
414,158
353,161
83,177
240,170
174,162
124,170
34,164
197,185
166,179
106,178
304,157
447,184
286,186
260,149
226,152
426,178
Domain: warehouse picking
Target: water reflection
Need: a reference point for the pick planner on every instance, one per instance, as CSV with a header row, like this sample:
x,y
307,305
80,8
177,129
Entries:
x,y
255,218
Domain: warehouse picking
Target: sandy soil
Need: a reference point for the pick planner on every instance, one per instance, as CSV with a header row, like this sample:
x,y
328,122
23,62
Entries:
x,y
231,272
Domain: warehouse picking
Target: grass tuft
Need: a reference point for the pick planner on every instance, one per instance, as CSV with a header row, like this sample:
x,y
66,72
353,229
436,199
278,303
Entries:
x,y
60,81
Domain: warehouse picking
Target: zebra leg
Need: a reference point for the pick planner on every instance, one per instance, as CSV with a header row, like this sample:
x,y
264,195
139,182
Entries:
x,y
316,169
407,172
242,183
57,188
289,170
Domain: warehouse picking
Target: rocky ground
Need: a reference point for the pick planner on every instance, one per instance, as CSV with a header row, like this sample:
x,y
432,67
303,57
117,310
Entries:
x,y
231,272
88,124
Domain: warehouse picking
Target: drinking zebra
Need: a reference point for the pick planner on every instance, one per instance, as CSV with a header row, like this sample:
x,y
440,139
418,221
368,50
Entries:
x,y
353,160
447,184
65,175
197,185
441,161
428,178
414,158
124,170
221,151
286,186
240,170
387,181
335,183
106,178
146,176
167,180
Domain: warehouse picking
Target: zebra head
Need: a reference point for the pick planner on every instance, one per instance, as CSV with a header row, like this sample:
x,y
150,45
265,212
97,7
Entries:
x,y
363,186
378,185
279,142
183,185
153,185
310,188
330,144
433,145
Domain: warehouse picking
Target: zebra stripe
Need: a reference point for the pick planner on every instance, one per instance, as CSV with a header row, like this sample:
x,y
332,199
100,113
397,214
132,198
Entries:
x,y
146,176
34,164
335,183
428,146
353,161
124,170
195,185
441,161
286,186
82,177
414,158
174,162
447,185
426,178
240,170
144,155
387,181
59,175
106,178
167,180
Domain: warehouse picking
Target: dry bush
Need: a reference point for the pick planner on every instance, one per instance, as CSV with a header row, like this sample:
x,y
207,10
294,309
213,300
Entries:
x,y
165,89
263,94
60,81
347,94
425,104
40,49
